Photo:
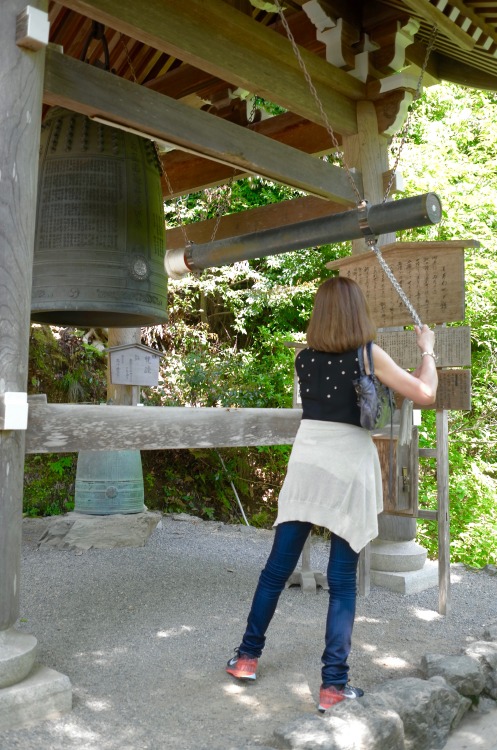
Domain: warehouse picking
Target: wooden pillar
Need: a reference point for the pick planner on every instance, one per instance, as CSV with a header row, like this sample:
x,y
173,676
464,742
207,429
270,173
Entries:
x,y
21,86
122,395
368,151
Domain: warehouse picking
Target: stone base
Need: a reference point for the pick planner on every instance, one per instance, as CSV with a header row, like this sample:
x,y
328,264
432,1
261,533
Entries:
x,y
17,656
409,582
308,580
82,531
44,694
397,557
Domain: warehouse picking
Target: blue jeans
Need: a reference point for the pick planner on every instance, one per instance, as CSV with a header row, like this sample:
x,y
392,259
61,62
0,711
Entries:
x,y
288,542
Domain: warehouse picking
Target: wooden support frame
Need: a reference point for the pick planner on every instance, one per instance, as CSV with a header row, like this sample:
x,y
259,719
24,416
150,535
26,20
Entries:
x,y
69,428
188,173
253,220
228,44
86,89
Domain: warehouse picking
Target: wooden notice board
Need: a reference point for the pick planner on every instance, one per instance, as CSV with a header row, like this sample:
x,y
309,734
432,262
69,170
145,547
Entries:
x,y
430,273
453,347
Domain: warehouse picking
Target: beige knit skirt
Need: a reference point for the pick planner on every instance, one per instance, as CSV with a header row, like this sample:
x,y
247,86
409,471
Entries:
x,y
333,480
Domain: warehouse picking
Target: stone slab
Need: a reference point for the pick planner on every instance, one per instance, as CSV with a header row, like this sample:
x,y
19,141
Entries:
x,y
475,732
409,582
82,531
44,694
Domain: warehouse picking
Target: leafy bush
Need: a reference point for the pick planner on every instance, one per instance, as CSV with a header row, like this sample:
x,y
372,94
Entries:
x,y
49,483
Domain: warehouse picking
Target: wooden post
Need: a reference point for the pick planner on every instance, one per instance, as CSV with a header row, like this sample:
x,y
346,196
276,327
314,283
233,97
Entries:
x,y
443,512
21,85
122,395
368,152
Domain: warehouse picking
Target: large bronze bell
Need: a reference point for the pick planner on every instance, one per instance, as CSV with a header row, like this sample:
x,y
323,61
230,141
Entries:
x,y
100,234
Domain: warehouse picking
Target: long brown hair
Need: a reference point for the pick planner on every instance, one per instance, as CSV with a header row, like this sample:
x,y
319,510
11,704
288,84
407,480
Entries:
x,y
340,320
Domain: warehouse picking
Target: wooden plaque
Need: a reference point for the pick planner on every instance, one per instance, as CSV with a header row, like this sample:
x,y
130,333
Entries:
x,y
430,273
452,346
134,365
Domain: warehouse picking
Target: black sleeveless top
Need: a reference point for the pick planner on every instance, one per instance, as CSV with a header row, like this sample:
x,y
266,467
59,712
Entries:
x,y
326,386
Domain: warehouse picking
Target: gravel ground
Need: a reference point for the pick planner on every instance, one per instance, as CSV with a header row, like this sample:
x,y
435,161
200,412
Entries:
x,y
144,635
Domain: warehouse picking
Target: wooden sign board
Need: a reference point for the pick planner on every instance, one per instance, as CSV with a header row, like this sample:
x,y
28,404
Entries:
x,y
430,273
134,364
453,394
452,345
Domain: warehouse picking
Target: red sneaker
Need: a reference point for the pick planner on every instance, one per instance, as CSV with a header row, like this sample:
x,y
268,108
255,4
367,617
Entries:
x,y
330,696
242,666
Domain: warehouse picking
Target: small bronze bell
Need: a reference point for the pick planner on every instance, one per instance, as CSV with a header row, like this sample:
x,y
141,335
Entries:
x,y
100,233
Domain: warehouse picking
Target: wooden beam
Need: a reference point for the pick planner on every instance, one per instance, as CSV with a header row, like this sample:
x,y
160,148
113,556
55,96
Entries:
x,y
254,220
446,26
68,428
233,47
188,173
86,89
458,72
446,68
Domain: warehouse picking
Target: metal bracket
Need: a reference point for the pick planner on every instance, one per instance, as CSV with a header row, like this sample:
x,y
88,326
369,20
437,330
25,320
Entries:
x,y
32,28
13,411
363,219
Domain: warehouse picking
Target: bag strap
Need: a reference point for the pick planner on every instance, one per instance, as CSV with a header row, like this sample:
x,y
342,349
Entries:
x,y
360,359
369,350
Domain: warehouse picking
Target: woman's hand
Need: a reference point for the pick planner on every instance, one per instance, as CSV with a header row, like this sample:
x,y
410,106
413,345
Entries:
x,y
425,338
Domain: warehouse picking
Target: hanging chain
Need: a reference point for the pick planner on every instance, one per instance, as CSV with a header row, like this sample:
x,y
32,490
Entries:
x,y
407,124
390,274
362,204
251,116
223,204
128,59
316,98
179,218
405,131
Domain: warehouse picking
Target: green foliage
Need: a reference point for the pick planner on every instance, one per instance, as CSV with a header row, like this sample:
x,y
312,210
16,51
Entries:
x,y
64,367
459,126
195,482
49,483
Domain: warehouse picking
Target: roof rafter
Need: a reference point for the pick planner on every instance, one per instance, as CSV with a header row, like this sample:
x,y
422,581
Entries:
x,y
231,46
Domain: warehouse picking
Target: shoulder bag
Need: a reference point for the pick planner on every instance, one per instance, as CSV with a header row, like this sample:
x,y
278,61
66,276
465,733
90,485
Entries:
x,y
375,400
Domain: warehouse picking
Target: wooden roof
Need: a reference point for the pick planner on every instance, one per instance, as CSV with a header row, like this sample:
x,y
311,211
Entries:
x,y
192,58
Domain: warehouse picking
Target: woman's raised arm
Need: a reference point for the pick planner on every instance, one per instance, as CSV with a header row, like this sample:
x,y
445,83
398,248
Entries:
x,y
419,386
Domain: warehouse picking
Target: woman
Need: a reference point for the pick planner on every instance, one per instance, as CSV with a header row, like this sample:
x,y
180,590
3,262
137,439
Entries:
x,y
333,477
